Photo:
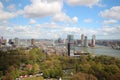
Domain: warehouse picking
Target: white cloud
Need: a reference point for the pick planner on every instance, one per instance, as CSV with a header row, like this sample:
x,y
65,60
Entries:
x,y
72,29
4,22
1,5
75,19
109,32
5,15
62,17
42,8
45,31
113,13
11,7
88,20
32,21
48,26
19,31
111,21
50,32
88,3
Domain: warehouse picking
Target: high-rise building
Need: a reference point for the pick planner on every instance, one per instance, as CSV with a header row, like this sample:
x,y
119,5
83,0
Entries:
x,y
1,40
82,40
70,38
10,41
32,41
28,41
93,40
85,42
16,42
59,40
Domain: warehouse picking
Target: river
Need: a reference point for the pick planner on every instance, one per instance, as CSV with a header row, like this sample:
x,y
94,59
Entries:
x,y
100,50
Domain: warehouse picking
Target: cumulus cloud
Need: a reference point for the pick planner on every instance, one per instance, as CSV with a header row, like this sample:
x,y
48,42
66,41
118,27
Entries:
x,y
72,29
11,7
111,21
42,31
1,5
88,3
75,19
29,31
109,32
113,13
48,26
18,31
32,21
7,15
62,17
88,20
42,8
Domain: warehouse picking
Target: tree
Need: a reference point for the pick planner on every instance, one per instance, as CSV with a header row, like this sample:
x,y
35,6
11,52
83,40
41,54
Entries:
x,y
8,76
84,67
114,69
1,73
83,76
35,68
12,71
46,73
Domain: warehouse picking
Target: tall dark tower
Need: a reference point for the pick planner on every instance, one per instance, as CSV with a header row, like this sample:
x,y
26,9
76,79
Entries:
x,y
68,49
70,39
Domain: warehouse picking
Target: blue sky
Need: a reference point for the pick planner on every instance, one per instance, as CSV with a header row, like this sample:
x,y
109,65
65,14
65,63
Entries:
x,y
51,19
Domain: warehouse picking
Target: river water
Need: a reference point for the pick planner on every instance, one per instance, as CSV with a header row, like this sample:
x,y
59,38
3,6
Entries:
x,y
100,50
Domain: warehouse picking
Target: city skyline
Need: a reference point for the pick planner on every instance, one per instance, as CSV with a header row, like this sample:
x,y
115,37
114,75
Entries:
x,y
51,19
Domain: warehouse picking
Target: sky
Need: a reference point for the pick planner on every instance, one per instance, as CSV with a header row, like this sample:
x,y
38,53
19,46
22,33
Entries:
x,y
51,19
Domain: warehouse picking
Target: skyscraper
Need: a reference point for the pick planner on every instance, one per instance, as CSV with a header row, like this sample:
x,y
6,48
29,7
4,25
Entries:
x,y
93,40
82,40
32,41
16,42
70,38
85,42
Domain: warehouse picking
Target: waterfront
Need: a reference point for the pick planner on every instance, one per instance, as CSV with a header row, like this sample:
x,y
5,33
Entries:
x,y
100,50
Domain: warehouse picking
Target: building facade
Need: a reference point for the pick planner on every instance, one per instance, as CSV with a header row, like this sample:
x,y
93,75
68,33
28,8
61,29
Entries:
x,y
82,40
85,42
93,40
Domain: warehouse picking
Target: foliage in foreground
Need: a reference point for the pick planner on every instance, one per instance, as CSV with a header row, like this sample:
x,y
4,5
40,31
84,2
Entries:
x,y
18,62
34,78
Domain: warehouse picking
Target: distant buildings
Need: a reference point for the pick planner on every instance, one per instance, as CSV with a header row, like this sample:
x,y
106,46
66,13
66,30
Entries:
x,y
85,42
82,40
70,43
32,41
70,38
93,41
3,41
16,42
